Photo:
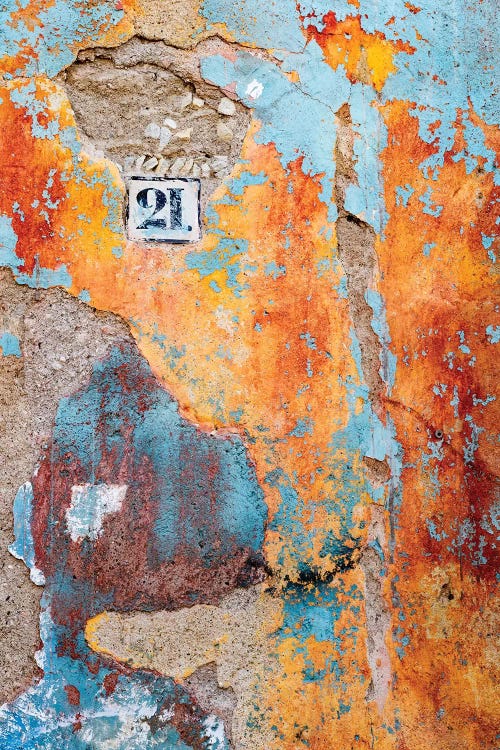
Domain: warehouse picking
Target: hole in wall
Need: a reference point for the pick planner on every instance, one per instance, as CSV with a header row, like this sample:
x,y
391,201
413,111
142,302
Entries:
x,y
144,106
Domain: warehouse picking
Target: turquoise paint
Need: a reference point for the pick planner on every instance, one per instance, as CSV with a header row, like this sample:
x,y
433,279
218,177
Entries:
x,y
298,125
272,24
303,427
310,340
432,529
123,399
493,333
299,119
487,241
167,440
237,185
440,44
23,97
403,194
8,243
61,25
366,199
341,288
482,401
9,344
43,718
23,547
477,154
41,278
221,258
44,278
17,210
312,610
471,442
272,269
460,78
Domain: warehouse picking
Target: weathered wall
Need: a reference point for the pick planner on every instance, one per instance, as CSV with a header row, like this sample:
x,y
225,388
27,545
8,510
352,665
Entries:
x,y
253,478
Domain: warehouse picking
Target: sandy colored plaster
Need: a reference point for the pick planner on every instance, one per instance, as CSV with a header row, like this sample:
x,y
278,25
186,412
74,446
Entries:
x,y
235,636
144,106
177,22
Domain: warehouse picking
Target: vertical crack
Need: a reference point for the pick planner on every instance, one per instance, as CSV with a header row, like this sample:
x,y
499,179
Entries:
x,y
356,249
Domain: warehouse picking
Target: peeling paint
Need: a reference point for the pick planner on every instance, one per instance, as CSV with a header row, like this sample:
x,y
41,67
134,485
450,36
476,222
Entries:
x,y
292,475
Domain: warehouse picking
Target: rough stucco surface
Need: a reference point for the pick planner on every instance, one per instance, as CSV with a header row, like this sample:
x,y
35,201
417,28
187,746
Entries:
x,y
249,486
118,95
59,339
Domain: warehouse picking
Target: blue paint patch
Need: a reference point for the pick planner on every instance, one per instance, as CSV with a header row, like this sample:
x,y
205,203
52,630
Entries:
x,y
24,97
41,278
429,208
23,547
9,344
8,243
44,278
43,716
313,611
224,257
60,26
161,436
432,529
310,340
380,327
440,76
403,194
202,499
299,119
272,24
493,333
272,269
366,199
302,428
299,127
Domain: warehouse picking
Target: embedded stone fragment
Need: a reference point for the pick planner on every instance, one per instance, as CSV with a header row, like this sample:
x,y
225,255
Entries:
x,y
224,132
226,107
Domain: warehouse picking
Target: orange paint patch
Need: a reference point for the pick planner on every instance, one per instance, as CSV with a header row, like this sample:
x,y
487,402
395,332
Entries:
x,y
62,215
439,288
260,367
368,58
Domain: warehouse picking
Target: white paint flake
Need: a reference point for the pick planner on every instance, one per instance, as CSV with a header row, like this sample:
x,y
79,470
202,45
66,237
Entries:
x,y
214,732
254,89
89,504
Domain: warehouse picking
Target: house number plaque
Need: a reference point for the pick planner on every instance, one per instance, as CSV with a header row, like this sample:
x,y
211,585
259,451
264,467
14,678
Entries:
x,y
163,209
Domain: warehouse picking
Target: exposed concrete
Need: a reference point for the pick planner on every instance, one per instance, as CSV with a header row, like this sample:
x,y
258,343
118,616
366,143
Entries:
x,y
177,22
378,619
211,697
60,338
145,106
356,248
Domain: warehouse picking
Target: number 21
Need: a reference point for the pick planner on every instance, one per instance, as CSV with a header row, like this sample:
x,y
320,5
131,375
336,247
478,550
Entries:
x,y
156,200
